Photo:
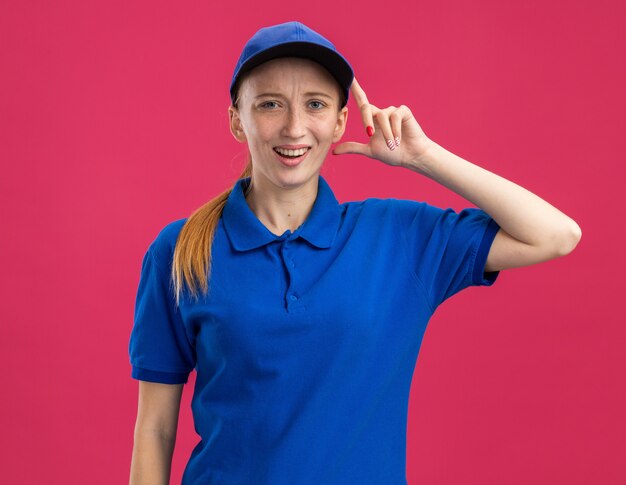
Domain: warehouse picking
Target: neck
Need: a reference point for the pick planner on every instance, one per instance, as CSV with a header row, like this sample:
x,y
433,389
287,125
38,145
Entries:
x,y
280,208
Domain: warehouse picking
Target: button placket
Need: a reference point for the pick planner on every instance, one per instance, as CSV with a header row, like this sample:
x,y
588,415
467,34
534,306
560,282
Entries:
x,y
292,297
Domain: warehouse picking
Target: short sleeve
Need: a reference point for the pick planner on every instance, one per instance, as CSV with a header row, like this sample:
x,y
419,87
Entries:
x,y
159,348
446,250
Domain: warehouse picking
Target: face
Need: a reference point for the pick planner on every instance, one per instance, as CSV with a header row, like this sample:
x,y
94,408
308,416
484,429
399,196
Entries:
x,y
288,114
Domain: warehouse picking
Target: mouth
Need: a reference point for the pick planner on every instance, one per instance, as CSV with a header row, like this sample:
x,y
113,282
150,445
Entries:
x,y
291,156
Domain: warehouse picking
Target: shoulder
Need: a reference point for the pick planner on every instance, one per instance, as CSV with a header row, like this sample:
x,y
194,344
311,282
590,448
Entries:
x,y
371,205
391,207
409,214
163,245
397,211
414,210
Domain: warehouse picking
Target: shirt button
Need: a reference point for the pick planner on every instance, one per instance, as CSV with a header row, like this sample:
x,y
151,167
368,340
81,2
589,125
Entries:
x,y
293,297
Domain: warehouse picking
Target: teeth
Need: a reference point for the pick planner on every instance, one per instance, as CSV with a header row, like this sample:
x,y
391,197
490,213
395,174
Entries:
x,y
291,153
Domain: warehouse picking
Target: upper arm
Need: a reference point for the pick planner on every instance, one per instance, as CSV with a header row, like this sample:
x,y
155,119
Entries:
x,y
160,348
508,252
158,408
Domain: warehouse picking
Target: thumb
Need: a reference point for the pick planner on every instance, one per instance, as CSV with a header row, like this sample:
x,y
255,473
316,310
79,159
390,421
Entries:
x,y
351,147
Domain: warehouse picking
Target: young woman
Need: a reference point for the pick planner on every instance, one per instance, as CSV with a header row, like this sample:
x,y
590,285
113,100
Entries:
x,y
303,317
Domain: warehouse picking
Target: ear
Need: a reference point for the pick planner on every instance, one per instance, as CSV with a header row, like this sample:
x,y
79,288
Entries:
x,y
340,127
235,125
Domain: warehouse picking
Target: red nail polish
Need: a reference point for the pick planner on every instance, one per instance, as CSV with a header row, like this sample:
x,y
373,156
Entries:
x,y
370,131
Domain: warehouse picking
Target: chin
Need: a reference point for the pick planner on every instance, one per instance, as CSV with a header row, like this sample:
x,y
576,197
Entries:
x,y
296,177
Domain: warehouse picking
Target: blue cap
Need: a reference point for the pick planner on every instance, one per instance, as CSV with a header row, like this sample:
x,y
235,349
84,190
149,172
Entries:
x,y
293,39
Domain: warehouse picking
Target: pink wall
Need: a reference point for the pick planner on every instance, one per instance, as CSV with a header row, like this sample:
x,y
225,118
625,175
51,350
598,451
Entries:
x,y
113,122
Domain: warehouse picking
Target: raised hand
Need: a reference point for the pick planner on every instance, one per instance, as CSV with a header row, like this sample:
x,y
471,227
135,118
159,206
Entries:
x,y
397,139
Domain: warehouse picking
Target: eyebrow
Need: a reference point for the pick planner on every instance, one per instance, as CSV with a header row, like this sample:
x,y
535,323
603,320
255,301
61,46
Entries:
x,y
278,95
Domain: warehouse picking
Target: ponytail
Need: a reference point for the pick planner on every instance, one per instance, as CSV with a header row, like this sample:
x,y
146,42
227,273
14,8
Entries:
x,y
191,266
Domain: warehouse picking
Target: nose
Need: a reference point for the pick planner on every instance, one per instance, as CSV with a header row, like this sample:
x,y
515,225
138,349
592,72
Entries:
x,y
294,126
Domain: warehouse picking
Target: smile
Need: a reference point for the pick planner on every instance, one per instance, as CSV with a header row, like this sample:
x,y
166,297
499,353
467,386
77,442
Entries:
x,y
289,157
291,153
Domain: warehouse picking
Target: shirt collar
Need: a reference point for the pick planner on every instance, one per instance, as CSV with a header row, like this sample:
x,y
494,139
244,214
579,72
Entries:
x,y
246,231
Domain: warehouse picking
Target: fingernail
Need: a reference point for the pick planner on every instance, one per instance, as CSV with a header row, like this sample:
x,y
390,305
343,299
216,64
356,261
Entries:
x,y
390,144
397,141
370,131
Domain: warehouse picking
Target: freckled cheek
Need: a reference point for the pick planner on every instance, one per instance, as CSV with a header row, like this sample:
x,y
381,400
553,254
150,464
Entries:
x,y
261,137
327,136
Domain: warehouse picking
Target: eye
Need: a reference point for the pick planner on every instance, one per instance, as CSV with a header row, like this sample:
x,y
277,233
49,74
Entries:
x,y
319,104
266,103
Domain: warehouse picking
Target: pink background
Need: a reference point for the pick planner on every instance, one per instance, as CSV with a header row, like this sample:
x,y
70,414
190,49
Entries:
x,y
114,123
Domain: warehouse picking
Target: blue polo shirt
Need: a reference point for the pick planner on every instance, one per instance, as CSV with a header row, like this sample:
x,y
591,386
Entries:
x,y
305,347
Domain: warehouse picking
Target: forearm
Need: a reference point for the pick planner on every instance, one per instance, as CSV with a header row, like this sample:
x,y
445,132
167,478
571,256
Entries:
x,y
152,459
519,212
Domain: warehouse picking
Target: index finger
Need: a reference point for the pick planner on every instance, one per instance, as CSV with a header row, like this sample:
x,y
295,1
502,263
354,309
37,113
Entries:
x,y
357,91
361,100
